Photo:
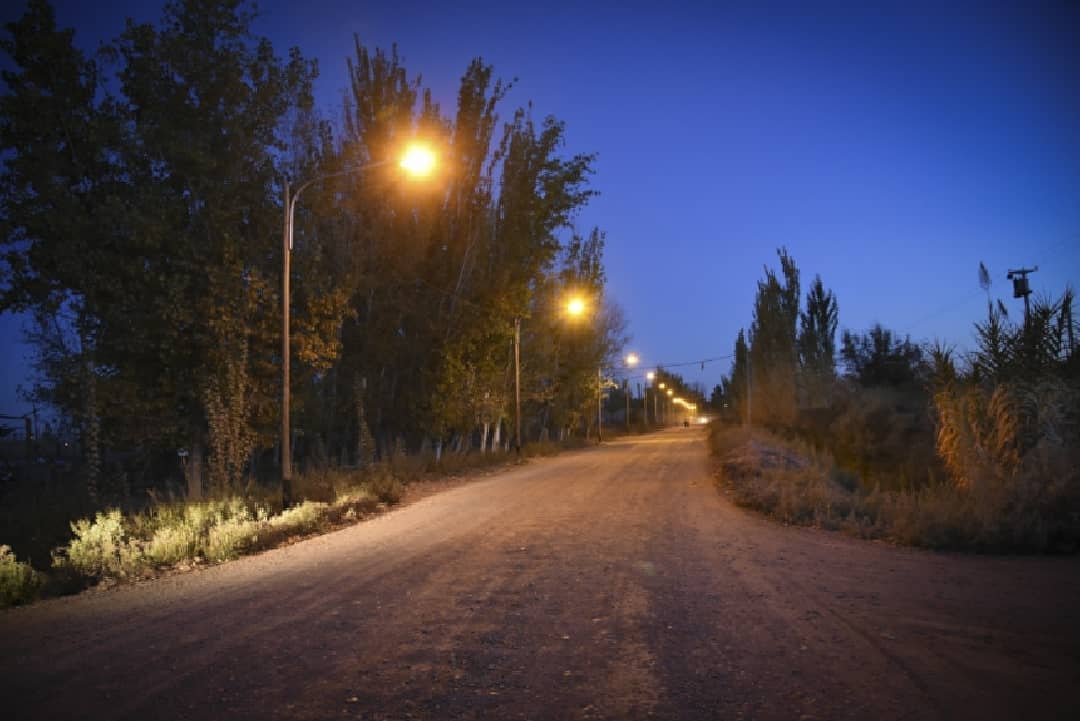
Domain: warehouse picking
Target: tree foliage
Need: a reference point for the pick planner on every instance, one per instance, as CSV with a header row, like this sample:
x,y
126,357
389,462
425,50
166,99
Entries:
x,y
817,344
774,353
142,227
880,358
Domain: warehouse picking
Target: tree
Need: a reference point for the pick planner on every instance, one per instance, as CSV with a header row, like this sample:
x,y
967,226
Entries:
x,y
58,187
817,343
773,351
151,217
879,358
738,389
443,270
142,229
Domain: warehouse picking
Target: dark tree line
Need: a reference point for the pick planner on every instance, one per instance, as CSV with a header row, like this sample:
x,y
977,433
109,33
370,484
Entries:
x,y
141,209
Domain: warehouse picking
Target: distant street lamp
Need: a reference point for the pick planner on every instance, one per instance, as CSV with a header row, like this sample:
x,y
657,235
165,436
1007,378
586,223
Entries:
x,y
631,361
417,161
575,307
650,376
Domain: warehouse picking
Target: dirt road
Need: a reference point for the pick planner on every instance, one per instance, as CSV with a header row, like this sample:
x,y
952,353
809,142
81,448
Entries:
x,y
609,583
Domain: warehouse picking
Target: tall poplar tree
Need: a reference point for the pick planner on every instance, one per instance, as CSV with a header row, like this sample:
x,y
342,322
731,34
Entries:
x,y
817,343
773,351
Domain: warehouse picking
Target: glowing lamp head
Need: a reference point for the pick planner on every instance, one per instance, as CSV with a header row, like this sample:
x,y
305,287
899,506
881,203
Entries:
x,y
418,161
663,386
632,359
575,307
650,375
670,392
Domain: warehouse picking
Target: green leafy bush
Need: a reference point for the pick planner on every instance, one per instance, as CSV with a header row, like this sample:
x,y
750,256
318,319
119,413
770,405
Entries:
x,y
304,518
231,538
19,583
102,548
172,544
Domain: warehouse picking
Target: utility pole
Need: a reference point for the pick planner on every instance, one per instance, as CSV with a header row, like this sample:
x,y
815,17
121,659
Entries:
x,y
626,385
286,436
599,405
517,384
1021,288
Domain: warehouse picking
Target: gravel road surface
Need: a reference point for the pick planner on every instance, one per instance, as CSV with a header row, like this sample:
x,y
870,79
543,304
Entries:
x,y
607,583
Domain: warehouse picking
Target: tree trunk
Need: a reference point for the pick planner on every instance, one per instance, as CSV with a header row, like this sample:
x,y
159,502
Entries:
x,y
92,437
484,438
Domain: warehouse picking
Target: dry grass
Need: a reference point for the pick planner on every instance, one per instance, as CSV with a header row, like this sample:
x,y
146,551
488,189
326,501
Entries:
x,y
787,480
793,483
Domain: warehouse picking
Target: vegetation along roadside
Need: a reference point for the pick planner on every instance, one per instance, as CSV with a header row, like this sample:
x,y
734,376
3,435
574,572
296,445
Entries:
x,y
115,546
912,443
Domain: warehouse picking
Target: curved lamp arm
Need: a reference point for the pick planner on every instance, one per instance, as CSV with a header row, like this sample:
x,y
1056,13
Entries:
x,y
319,178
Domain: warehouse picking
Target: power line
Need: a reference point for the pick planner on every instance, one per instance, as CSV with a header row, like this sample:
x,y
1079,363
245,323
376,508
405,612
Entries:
x,y
701,362
942,311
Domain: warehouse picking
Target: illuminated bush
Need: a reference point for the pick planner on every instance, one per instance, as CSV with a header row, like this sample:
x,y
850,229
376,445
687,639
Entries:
x,y
232,538
102,548
171,544
305,518
19,583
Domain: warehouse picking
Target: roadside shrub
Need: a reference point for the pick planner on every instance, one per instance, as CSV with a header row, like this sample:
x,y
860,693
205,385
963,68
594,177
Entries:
x,y
940,515
114,546
351,504
1013,449
408,468
452,463
231,538
172,544
102,548
384,485
19,583
304,518
325,484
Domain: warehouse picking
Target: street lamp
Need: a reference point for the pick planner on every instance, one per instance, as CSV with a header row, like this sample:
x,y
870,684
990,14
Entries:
x,y
417,161
575,307
631,361
650,376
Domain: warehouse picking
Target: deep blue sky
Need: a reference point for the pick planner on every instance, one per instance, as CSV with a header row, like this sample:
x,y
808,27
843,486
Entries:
x,y
889,146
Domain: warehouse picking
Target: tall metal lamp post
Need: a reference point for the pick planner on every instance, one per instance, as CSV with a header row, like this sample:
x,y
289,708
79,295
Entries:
x,y
575,307
631,361
649,377
417,161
